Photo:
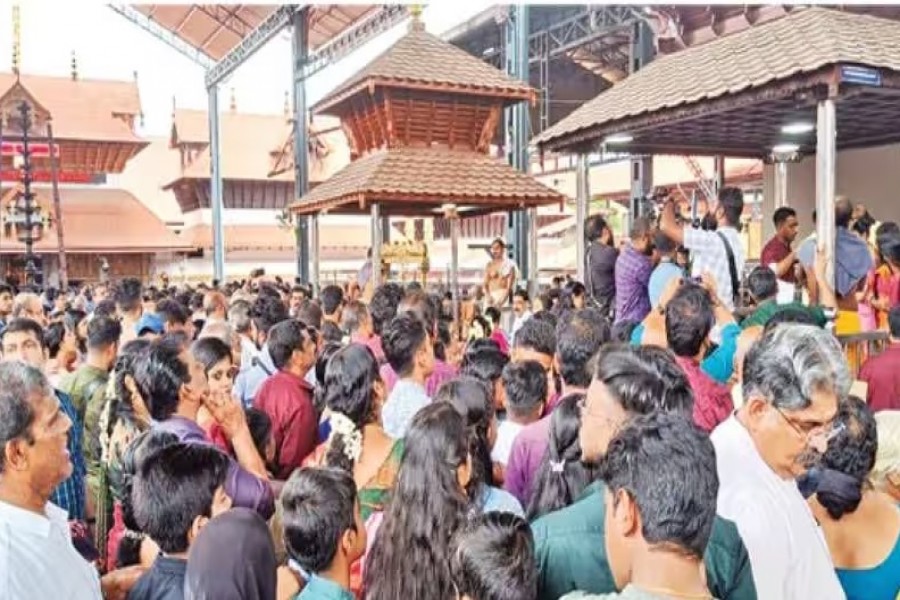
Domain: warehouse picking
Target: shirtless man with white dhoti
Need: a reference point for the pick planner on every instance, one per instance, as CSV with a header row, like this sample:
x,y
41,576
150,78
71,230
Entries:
x,y
499,276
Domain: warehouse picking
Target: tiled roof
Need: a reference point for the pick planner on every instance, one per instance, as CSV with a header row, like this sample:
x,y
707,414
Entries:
x,y
99,219
424,59
431,176
800,43
84,109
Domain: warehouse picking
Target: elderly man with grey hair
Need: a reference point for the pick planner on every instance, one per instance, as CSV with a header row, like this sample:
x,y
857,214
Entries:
x,y
38,559
28,305
793,379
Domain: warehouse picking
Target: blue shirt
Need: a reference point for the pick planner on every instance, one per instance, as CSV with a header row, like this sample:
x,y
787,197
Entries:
x,y
319,588
497,500
406,399
660,278
248,381
69,495
878,583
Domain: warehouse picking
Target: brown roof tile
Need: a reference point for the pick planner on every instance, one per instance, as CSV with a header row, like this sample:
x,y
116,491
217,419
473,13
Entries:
x,y
84,109
802,42
99,219
422,58
428,176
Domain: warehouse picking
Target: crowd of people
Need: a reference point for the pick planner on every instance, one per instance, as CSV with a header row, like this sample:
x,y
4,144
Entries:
x,y
668,429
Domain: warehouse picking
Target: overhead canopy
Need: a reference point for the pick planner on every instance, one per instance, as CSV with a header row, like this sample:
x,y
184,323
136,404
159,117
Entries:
x,y
734,95
417,181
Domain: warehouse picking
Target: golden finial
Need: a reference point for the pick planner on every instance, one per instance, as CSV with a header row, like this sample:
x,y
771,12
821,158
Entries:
x,y
416,24
74,66
17,39
233,101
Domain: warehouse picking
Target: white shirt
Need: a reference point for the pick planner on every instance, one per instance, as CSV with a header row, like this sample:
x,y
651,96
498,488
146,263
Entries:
x,y
787,550
708,254
517,325
38,560
406,399
506,435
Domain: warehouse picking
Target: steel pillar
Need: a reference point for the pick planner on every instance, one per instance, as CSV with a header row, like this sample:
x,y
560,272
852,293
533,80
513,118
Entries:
x,y
215,185
517,120
376,245
718,181
300,51
314,253
582,200
781,181
641,166
825,181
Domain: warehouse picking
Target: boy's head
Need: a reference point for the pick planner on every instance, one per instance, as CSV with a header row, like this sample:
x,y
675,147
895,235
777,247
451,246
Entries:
x,y
407,346
660,473
525,384
494,559
321,519
177,490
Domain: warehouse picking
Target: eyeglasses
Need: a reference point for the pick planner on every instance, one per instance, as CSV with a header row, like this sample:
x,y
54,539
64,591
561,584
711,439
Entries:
x,y
825,431
585,412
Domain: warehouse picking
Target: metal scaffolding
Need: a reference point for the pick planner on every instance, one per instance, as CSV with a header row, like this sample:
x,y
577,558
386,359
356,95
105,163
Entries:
x,y
163,34
641,166
299,52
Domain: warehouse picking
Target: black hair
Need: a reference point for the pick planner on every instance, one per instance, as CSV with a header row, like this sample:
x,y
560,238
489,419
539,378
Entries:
x,y
402,339
103,332
210,351
159,375
122,485
526,387
122,403
731,199
310,313
522,293
383,306
426,509
664,244
689,319
644,379
54,334
849,458
284,339
318,508
594,226
353,316
260,425
567,296
621,331
128,294
484,360
105,308
862,226
348,390
494,559
5,288
762,283
174,486
442,340
331,332
492,313
267,312
562,476
537,334
474,402
331,297
668,467
425,307
173,312
22,325
790,314
894,321
578,342
843,212
782,214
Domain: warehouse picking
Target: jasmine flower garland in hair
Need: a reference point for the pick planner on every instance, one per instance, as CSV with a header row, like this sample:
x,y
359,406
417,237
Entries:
x,y
343,426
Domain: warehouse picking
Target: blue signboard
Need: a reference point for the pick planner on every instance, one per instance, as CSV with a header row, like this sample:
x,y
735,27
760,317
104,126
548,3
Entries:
x,y
860,75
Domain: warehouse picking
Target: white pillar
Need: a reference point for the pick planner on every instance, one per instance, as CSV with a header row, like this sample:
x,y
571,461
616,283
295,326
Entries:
x,y
376,245
533,251
314,253
582,198
454,268
825,180
781,182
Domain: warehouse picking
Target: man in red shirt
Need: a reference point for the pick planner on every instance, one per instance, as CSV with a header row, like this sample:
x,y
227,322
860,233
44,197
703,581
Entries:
x,y
777,253
287,398
882,372
689,319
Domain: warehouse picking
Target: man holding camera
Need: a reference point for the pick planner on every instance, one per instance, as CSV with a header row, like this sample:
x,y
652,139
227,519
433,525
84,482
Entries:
x,y
718,252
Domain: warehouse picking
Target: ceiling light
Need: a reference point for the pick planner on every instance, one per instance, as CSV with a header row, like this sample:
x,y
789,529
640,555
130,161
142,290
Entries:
x,y
618,138
798,128
785,148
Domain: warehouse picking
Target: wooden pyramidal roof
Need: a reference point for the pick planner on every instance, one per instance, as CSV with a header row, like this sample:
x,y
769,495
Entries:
x,y
419,120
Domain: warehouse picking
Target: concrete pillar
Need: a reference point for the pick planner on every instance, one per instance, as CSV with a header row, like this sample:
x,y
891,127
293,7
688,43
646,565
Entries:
x,y
826,147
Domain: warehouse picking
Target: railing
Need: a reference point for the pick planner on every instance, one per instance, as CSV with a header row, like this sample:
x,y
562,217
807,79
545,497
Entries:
x,y
860,346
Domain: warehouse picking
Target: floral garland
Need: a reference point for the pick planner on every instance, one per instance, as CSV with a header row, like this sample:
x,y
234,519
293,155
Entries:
x,y
347,429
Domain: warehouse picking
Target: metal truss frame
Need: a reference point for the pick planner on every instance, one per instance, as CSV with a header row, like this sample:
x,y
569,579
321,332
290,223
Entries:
x,y
256,39
365,31
155,29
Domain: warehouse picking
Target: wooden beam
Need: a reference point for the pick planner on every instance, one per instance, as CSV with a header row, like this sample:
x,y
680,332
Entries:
x,y
451,134
389,116
409,107
378,116
490,127
429,137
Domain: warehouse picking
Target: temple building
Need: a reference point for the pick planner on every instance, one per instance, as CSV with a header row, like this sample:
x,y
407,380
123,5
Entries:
x,y
93,126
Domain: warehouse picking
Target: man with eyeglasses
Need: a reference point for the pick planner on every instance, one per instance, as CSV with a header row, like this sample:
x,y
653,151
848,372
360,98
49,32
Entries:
x,y
793,380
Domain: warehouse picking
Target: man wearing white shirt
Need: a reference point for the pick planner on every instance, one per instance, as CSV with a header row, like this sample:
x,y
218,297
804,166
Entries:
x,y
37,558
793,379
